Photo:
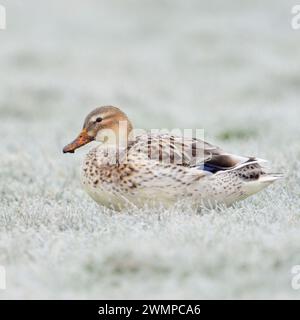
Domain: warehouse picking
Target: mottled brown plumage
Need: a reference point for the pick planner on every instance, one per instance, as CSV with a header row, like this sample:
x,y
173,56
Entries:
x,y
128,169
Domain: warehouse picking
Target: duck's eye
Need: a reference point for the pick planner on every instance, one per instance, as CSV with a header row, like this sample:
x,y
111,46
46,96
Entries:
x,y
99,119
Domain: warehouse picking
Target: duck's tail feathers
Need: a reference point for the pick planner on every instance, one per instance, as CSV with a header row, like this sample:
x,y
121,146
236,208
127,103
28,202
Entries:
x,y
270,177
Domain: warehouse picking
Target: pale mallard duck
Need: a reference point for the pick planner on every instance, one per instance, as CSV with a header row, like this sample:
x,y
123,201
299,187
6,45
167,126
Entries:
x,y
127,169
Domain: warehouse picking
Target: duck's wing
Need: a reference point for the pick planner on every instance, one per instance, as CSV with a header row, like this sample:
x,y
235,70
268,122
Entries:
x,y
185,151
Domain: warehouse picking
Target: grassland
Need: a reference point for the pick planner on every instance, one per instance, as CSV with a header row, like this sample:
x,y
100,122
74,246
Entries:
x,y
231,68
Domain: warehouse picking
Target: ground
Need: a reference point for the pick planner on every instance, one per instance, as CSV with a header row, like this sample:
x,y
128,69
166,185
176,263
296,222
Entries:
x,y
230,67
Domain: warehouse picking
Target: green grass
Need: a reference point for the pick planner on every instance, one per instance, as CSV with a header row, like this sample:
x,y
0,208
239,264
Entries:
x,y
237,134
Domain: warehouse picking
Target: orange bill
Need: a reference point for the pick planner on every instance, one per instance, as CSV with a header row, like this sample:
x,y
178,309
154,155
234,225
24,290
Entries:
x,y
80,141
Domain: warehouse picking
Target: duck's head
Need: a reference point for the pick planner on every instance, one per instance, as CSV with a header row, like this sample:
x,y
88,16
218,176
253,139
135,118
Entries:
x,y
106,124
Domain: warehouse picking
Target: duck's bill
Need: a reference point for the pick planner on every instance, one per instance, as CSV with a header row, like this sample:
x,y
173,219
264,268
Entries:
x,y
80,141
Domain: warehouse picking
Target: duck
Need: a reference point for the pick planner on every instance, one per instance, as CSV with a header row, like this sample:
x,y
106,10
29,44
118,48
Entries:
x,y
135,168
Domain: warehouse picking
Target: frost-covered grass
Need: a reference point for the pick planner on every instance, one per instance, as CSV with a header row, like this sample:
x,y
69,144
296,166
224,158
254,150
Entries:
x,y
230,67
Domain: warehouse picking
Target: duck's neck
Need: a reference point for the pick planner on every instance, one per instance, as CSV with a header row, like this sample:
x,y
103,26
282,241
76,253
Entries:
x,y
117,135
